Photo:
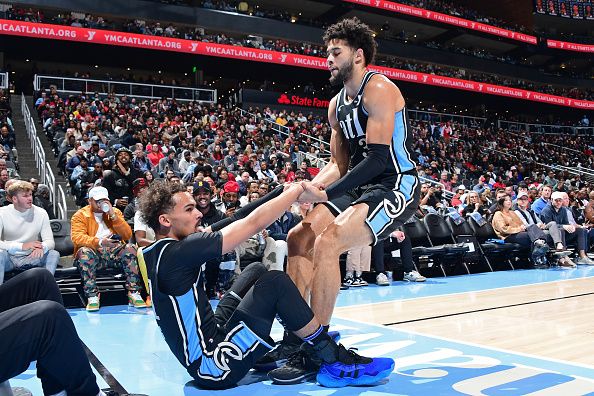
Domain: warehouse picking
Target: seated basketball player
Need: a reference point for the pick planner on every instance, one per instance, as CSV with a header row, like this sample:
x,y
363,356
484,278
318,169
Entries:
x,y
219,348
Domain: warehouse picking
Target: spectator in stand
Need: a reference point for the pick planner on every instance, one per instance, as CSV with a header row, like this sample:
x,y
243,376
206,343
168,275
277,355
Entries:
x,y
230,160
589,209
509,190
21,226
3,178
185,162
263,189
576,216
169,163
473,205
399,246
230,198
42,200
243,182
479,188
288,172
554,211
266,174
509,227
304,167
88,180
77,173
74,161
155,155
447,185
428,196
137,186
7,140
500,194
120,180
252,188
543,200
301,209
457,198
357,261
99,233
222,177
554,235
141,162
551,180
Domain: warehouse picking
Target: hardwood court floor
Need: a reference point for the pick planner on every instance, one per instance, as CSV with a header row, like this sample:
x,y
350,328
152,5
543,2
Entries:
x,y
552,320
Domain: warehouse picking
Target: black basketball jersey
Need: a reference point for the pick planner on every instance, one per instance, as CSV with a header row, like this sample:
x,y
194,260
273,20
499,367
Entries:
x,y
352,117
182,309
183,312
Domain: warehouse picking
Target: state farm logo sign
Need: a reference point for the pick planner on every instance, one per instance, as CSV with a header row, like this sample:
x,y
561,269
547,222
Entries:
x,y
296,100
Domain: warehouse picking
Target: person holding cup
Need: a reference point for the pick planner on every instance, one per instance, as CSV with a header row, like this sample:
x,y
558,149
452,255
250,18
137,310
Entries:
x,y
100,235
120,180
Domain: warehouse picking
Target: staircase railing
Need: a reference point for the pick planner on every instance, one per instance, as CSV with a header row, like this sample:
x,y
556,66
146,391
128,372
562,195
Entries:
x,y
46,175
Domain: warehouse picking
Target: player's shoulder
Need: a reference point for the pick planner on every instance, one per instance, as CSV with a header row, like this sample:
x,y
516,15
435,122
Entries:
x,y
380,82
380,89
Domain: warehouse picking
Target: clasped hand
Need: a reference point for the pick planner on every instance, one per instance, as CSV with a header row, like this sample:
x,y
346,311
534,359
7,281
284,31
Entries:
x,y
312,192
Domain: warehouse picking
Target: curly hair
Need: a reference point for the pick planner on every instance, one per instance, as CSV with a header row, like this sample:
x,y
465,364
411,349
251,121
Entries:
x,y
156,200
356,34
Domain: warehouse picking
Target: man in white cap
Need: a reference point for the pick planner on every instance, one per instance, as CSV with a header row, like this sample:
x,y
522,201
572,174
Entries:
x,y
555,211
100,235
551,229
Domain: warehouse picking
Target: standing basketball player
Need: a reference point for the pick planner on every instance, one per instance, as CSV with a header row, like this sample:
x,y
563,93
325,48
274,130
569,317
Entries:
x,y
371,182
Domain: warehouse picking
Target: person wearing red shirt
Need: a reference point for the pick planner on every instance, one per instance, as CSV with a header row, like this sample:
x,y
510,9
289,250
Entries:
x,y
155,155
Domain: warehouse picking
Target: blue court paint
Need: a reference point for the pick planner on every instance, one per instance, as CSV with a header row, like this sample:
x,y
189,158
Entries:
x,y
457,284
128,342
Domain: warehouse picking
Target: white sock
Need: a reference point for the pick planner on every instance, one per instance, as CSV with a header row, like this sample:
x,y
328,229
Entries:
x,y
349,274
358,274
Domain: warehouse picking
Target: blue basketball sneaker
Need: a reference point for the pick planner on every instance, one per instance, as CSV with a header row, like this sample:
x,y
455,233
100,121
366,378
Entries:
x,y
351,369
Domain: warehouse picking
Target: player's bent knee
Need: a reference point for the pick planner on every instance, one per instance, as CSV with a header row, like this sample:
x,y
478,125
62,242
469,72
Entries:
x,y
331,240
299,240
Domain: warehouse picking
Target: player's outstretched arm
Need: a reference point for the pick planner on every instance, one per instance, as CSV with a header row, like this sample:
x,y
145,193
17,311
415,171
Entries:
x,y
260,218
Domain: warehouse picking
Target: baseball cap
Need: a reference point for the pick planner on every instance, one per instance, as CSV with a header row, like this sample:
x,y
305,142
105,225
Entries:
x,y
231,186
202,185
556,195
98,193
461,187
522,195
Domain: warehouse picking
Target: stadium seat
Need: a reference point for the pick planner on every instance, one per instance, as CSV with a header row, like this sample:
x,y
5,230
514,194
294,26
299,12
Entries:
x,y
486,236
422,248
463,233
439,233
63,242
